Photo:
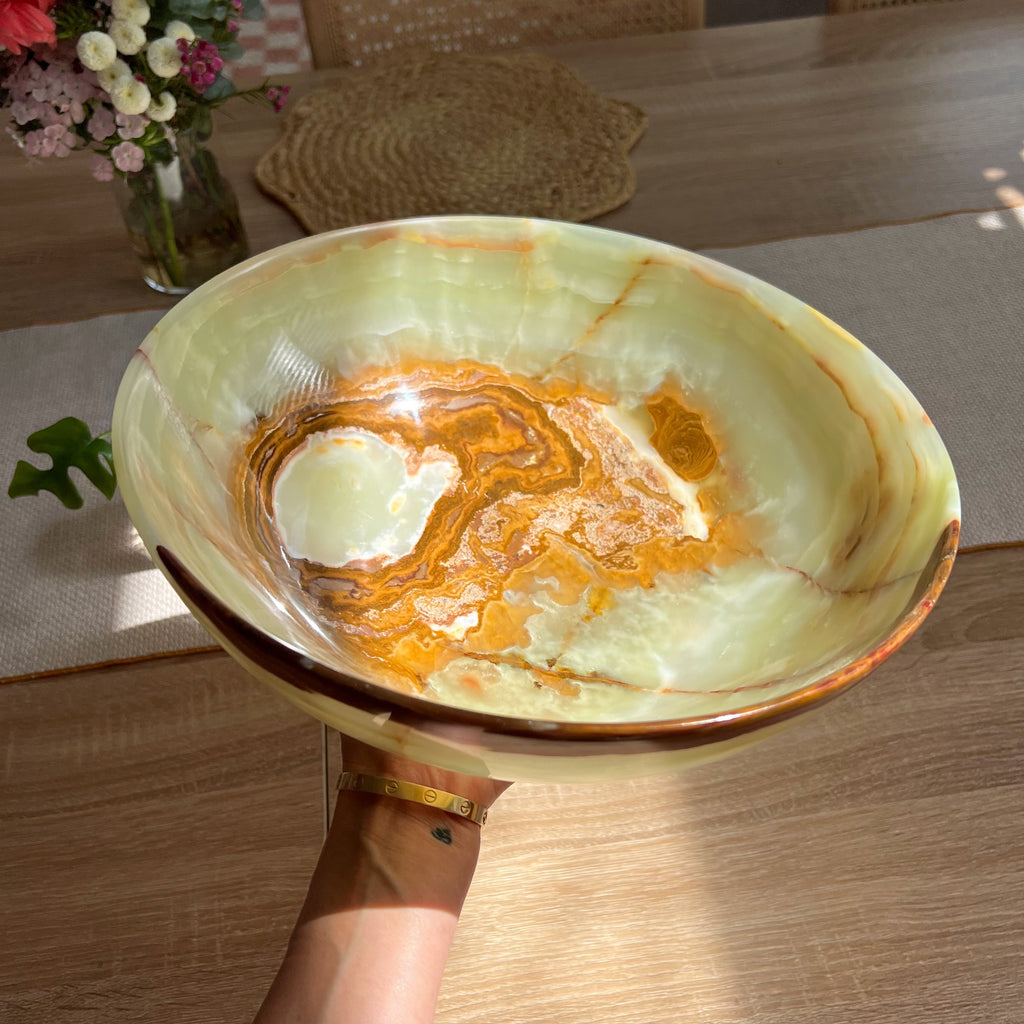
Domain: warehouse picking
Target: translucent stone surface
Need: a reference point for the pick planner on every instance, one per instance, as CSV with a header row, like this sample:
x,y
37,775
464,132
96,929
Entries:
x,y
544,474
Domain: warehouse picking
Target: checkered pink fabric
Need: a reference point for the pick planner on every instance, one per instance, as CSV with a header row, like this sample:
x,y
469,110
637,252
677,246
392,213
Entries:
x,y
276,44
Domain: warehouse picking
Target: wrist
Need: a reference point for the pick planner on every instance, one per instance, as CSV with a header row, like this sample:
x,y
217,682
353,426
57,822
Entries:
x,y
427,795
382,852
364,759
403,825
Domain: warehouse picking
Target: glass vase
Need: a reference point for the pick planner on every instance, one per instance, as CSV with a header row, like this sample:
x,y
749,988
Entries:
x,y
182,217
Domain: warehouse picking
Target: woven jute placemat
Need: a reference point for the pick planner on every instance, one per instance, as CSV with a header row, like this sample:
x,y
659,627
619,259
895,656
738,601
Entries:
x,y
519,135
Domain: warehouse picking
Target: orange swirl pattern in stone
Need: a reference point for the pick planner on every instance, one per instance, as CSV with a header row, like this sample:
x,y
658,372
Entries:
x,y
680,437
551,502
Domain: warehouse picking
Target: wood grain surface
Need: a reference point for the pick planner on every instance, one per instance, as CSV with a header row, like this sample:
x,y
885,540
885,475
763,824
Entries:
x,y
756,132
158,827
159,824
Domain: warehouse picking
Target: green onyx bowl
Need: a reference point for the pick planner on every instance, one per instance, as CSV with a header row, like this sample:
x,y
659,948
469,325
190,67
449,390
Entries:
x,y
530,499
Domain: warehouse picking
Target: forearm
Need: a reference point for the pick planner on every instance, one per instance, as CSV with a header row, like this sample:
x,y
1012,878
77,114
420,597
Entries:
x,y
373,935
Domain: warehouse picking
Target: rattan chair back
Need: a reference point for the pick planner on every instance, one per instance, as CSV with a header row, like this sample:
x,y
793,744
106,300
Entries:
x,y
349,33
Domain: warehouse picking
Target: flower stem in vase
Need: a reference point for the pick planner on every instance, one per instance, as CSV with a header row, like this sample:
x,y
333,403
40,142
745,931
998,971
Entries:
x,y
173,263
182,218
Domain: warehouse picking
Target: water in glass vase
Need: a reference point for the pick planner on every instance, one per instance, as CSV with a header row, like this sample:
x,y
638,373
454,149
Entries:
x,y
182,218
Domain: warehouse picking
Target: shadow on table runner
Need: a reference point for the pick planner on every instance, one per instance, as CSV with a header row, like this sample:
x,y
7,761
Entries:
x,y
940,301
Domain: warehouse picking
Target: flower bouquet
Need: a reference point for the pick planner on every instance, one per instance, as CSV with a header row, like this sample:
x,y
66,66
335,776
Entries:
x,y
134,83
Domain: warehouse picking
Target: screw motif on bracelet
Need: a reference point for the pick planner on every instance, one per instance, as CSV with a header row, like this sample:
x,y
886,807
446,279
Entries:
x,y
412,791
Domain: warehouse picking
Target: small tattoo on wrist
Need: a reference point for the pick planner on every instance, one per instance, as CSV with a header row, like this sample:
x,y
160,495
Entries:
x,y
442,834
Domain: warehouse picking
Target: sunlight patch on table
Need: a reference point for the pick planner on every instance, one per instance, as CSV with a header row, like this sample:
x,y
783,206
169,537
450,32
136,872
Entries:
x,y
1013,199
143,598
992,221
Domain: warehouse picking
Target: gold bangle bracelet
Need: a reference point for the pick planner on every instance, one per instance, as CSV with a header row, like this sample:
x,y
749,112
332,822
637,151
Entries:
x,y
430,797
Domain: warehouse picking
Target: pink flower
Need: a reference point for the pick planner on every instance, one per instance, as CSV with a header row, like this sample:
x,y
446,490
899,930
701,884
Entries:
x,y
128,157
131,126
62,140
200,63
101,125
53,140
278,95
56,94
102,169
36,142
24,23
72,109
82,86
53,115
24,111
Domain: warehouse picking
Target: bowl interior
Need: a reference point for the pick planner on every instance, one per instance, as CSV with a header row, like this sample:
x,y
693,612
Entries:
x,y
536,470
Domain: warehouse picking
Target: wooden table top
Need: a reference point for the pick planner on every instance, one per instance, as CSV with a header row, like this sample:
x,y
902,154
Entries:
x,y
159,821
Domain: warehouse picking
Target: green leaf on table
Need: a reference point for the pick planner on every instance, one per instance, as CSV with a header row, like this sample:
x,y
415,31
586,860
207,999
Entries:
x,y
252,9
70,445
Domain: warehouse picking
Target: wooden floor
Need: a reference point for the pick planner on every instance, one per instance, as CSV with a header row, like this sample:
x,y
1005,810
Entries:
x,y
865,866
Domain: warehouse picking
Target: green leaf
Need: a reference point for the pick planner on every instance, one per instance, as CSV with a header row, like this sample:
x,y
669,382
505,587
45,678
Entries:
x,y
230,50
194,116
28,480
252,10
192,9
70,445
219,90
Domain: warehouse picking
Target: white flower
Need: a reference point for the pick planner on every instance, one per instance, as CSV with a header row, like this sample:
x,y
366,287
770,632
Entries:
x,y
128,37
162,108
96,50
135,11
108,76
179,30
163,57
130,96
